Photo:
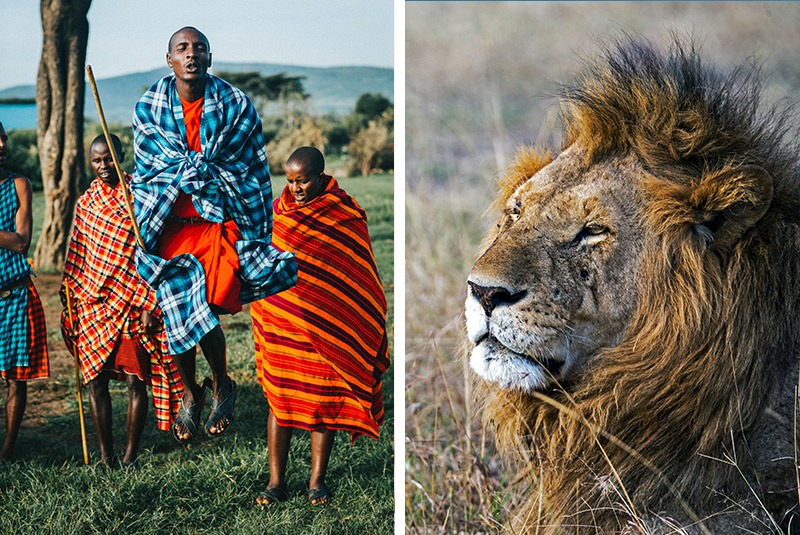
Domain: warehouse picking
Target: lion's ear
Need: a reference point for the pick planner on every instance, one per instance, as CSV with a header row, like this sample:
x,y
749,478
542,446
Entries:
x,y
729,203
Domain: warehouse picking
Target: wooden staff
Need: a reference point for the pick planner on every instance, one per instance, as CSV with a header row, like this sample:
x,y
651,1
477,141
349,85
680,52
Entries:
x,y
77,377
125,192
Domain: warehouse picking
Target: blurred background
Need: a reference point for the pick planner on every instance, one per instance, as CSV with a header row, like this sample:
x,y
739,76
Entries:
x,y
480,82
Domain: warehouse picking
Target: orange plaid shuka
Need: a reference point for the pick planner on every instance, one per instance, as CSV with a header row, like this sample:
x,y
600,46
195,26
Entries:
x,y
321,347
108,296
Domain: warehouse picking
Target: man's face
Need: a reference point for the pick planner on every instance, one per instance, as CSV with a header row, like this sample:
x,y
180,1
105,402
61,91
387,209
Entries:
x,y
3,146
304,188
103,164
189,56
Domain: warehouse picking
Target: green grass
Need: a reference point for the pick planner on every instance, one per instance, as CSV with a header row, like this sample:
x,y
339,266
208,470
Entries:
x,y
210,485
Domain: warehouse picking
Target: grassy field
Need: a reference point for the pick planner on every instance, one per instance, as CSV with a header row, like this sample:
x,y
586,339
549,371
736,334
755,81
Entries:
x,y
210,485
479,83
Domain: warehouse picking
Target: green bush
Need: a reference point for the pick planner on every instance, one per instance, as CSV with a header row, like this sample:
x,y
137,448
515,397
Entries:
x,y
24,156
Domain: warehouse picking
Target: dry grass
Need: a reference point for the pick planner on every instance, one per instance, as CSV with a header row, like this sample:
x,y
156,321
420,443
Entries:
x,y
452,484
478,76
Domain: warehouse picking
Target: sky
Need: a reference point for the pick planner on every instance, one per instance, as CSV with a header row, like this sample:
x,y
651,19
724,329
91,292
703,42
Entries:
x,y
131,36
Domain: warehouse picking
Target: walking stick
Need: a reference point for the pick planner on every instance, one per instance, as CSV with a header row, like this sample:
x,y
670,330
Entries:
x,y
125,192
77,378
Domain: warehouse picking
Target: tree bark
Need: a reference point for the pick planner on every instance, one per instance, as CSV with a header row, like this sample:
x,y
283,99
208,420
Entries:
x,y
60,90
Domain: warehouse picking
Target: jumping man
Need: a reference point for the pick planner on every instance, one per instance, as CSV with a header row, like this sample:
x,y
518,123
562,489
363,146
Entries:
x,y
203,203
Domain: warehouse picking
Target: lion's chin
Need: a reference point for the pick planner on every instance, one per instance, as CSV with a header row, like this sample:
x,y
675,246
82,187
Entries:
x,y
496,363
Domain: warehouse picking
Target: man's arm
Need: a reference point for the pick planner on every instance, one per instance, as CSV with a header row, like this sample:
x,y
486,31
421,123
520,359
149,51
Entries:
x,y
20,240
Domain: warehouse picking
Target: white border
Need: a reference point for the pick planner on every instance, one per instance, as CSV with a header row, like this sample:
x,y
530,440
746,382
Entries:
x,y
399,265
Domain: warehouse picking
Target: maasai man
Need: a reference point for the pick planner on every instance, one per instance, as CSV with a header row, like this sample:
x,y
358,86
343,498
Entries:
x,y
117,334
203,202
321,347
23,336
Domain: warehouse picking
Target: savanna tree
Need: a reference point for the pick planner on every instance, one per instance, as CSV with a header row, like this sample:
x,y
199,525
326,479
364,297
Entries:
x,y
59,100
369,107
278,88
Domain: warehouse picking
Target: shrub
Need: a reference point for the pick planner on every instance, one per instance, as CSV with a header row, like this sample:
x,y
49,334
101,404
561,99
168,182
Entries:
x,y
306,132
23,157
372,148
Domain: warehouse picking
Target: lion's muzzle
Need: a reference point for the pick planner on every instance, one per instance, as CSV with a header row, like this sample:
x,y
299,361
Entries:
x,y
492,296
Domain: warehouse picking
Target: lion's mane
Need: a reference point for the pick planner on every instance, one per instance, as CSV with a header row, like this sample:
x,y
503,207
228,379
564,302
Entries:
x,y
714,337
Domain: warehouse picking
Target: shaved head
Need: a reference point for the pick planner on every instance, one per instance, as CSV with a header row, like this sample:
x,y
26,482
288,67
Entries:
x,y
188,28
101,139
310,158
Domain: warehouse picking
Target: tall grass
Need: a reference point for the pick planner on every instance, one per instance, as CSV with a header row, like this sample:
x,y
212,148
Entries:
x,y
452,481
208,486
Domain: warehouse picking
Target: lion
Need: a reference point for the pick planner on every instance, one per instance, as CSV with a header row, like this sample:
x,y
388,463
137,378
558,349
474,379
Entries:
x,y
633,319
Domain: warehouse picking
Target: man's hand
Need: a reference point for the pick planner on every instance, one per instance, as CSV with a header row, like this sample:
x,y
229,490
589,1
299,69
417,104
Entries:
x,y
69,332
148,321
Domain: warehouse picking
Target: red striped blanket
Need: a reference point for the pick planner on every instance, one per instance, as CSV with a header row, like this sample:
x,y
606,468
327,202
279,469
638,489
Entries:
x,y
321,347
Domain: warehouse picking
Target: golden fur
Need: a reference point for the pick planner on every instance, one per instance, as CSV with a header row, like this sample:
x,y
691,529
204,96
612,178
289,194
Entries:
x,y
690,413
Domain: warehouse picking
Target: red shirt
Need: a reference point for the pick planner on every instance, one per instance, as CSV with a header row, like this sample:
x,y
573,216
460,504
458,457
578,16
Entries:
x,y
213,244
192,111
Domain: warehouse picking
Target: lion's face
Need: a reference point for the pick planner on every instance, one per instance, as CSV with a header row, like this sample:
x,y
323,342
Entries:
x,y
558,281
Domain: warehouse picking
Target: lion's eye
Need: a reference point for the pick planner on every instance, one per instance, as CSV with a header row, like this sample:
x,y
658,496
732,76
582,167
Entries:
x,y
591,234
594,230
513,210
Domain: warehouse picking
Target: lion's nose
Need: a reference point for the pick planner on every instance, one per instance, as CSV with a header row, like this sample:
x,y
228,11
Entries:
x,y
492,296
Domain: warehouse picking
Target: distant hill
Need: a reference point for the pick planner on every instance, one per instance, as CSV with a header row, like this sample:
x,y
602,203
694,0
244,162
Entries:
x,y
332,89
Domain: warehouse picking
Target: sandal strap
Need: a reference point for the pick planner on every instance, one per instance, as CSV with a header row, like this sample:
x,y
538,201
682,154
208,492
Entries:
x,y
186,417
318,494
274,494
220,409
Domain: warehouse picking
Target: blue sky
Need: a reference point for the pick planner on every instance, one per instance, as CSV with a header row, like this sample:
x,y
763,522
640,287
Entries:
x,y
130,36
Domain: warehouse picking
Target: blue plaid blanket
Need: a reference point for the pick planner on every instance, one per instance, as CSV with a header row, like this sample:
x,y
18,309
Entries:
x,y
13,266
229,178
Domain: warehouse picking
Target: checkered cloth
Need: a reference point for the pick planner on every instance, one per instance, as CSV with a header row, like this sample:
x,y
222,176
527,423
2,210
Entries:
x,y
230,178
13,266
39,362
109,296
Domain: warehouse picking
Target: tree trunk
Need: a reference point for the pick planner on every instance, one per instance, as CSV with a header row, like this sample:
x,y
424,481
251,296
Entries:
x,y
59,99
